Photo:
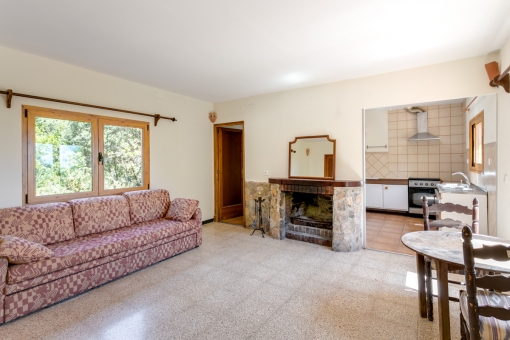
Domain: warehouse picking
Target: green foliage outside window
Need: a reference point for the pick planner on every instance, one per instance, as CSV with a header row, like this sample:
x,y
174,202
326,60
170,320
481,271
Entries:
x,y
123,157
63,156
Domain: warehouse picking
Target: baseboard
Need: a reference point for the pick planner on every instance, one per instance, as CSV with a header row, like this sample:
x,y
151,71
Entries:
x,y
208,221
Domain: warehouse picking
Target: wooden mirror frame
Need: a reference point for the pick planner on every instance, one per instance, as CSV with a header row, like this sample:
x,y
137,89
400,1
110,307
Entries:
x,y
309,137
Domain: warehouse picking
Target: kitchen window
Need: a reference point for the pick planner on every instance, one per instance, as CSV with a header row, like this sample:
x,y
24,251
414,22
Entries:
x,y
476,143
70,155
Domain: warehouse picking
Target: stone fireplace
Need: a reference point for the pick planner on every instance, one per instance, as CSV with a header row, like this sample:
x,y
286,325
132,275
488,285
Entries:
x,y
325,212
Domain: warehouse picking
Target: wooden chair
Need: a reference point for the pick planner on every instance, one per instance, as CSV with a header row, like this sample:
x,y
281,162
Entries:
x,y
485,313
436,225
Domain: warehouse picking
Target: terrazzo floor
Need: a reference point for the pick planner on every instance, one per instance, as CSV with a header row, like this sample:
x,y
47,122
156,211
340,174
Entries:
x,y
237,286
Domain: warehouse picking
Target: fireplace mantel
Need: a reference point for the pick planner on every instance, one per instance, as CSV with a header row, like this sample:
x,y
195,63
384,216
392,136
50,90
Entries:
x,y
316,182
312,186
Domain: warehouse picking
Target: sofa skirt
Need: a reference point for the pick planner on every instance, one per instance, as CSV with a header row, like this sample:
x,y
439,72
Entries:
x,y
32,299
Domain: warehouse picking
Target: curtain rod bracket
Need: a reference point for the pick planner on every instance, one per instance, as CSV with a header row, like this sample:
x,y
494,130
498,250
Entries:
x,y
156,119
9,98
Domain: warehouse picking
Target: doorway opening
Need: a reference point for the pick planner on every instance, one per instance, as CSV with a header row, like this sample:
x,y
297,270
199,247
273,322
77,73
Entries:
x,y
229,173
407,150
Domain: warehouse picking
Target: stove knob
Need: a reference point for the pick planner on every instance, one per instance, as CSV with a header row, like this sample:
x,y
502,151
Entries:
x,y
421,183
432,184
426,184
415,183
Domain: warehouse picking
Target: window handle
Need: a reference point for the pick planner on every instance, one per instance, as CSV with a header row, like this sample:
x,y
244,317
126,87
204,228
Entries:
x,y
101,158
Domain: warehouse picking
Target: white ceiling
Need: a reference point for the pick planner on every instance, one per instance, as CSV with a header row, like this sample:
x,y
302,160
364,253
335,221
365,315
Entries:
x,y
226,49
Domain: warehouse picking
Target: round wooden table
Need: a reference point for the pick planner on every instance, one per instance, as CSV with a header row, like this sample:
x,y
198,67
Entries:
x,y
445,247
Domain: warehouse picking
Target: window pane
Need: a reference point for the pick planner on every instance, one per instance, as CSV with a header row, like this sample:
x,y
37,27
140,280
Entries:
x,y
123,163
63,156
478,143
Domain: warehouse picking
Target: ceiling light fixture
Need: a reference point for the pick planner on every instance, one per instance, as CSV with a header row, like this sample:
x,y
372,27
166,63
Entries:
x,y
294,78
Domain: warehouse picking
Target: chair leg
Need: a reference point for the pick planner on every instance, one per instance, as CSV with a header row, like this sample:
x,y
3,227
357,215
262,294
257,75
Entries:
x,y
428,283
463,335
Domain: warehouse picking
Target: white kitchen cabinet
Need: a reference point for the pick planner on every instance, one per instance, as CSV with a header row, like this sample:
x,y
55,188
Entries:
x,y
376,130
386,196
374,196
395,197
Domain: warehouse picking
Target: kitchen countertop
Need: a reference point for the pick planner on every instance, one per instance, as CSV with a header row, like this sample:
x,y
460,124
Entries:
x,y
389,181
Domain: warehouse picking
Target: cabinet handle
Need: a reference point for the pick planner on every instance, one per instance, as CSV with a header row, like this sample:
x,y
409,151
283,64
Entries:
x,y
386,188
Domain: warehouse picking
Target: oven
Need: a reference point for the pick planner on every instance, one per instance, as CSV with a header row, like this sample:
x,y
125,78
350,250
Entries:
x,y
419,187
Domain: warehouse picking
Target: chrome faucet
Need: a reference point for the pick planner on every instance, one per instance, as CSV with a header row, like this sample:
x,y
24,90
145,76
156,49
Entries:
x,y
463,175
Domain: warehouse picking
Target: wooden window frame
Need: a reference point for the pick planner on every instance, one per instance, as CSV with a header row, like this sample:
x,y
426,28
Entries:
x,y
28,146
475,167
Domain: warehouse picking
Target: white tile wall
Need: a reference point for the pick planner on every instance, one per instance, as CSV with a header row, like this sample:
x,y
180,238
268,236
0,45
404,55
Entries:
x,y
422,158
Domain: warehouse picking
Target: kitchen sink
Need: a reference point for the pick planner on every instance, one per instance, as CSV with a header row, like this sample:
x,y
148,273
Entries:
x,y
455,187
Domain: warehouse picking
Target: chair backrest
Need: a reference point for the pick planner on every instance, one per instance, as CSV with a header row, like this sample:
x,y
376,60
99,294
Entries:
x,y
450,207
492,282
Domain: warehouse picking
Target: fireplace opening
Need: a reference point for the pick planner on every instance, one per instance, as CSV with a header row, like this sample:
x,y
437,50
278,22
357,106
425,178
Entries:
x,y
310,218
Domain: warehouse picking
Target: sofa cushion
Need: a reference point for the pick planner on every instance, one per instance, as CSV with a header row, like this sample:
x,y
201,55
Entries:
x,y
147,205
98,214
18,250
42,223
19,286
181,209
88,248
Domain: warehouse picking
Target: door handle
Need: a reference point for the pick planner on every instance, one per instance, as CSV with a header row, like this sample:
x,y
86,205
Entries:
x,y
100,158
385,188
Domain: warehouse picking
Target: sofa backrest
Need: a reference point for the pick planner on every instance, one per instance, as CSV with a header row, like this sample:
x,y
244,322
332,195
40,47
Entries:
x,y
98,214
147,205
42,223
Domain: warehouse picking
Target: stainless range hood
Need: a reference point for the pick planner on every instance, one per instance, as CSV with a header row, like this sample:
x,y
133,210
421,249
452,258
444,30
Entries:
x,y
422,118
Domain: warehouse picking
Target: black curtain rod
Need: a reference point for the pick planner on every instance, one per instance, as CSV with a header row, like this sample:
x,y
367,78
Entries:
x,y
10,94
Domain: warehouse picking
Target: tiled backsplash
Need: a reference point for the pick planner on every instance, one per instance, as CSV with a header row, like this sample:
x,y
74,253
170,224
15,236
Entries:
x,y
429,159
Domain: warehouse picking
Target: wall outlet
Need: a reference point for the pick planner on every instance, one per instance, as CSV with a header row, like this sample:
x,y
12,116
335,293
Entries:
x,y
266,173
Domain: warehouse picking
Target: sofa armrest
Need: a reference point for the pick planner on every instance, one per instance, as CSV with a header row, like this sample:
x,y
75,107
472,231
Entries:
x,y
197,216
3,286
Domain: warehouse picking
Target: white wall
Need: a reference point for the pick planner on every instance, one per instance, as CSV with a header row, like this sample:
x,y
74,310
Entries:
x,y
272,120
181,152
503,148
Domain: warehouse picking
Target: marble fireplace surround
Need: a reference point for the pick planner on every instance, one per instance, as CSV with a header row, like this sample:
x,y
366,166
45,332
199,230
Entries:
x,y
347,208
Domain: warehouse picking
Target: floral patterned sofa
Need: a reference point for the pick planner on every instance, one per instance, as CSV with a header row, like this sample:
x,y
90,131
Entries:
x,y
87,242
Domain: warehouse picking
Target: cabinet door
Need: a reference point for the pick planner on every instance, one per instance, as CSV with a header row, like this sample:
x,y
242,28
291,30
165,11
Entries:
x,y
376,130
395,197
374,196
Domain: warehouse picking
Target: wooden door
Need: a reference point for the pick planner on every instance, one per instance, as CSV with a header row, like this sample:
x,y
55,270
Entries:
x,y
230,154
328,165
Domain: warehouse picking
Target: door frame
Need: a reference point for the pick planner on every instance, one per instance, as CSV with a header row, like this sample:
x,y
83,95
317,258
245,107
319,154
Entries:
x,y
217,189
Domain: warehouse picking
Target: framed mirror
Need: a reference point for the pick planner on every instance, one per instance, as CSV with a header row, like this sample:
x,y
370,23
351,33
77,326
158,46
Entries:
x,y
312,157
